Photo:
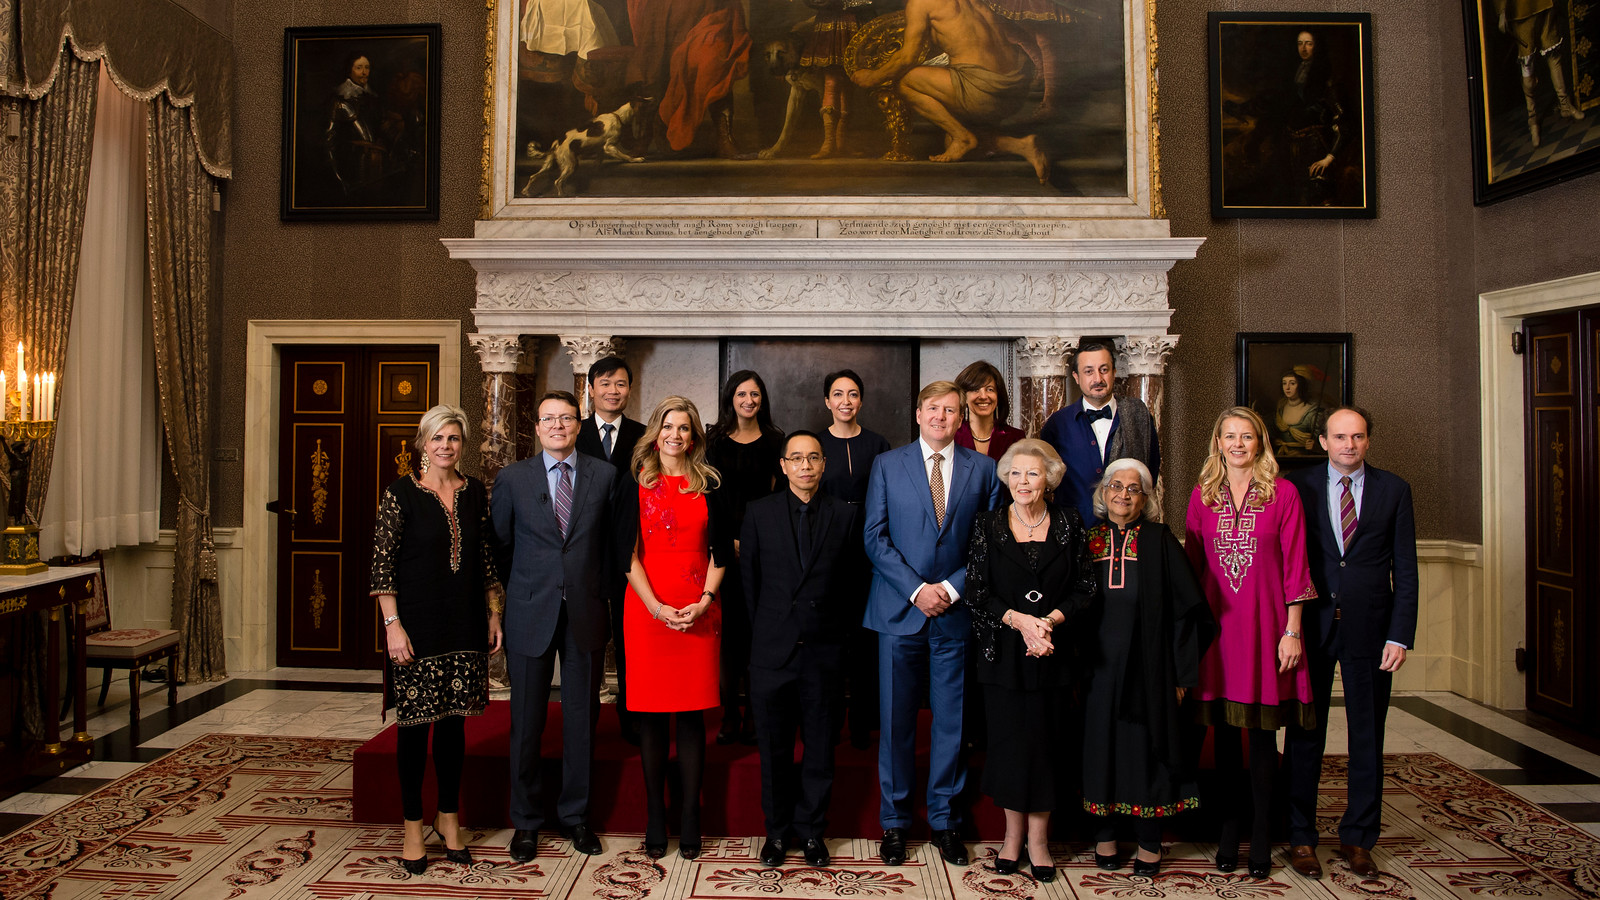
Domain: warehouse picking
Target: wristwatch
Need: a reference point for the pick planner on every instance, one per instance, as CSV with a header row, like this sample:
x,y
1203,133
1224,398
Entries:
x,y
390,620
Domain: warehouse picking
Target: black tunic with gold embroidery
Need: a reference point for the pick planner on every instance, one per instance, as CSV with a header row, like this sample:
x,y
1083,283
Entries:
x,y
438,564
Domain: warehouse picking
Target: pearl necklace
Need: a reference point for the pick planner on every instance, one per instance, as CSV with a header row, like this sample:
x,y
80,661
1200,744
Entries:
x,y
1026,524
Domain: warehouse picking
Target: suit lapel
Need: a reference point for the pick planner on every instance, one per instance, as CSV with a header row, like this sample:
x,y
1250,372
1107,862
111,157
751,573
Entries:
x,y
917,472
1319,509
582,480
1371,496
960,471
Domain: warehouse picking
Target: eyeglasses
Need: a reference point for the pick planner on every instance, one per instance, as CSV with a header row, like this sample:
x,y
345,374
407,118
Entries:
x,y
1117,487
547,421
796,459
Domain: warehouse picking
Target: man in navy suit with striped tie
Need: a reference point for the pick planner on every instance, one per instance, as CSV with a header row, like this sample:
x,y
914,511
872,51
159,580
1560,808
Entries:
x,y
1362,547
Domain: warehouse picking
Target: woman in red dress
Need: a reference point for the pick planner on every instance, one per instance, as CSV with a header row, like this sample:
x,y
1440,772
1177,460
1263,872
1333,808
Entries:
x,y
671,622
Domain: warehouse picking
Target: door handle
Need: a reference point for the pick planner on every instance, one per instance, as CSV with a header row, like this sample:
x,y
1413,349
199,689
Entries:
x,y
274,507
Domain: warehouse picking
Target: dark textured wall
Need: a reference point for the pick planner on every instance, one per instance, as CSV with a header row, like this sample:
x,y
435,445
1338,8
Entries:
x,y
370,270
1401,283
1405,283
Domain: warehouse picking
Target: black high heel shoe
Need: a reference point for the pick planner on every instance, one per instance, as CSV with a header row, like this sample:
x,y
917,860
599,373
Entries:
x,y
1042,874
1110,863
655,840
461,857
414,866
1147,869
1260,869
1003,866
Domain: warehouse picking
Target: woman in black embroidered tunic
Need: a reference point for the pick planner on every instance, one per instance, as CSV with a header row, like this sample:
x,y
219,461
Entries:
x,y
1154,626
1031,587
433,575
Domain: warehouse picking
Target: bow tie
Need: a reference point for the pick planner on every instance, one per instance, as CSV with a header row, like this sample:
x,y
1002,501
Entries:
x,y
1104,412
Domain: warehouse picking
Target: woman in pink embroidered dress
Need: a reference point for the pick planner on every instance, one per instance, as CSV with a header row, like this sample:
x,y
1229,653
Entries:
x,y
1247,543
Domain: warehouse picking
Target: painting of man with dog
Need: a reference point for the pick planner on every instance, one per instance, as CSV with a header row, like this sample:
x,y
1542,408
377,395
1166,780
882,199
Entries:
x,y
740,98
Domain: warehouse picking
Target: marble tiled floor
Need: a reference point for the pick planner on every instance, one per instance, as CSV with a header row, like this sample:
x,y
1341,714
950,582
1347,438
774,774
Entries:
x,y
1557,774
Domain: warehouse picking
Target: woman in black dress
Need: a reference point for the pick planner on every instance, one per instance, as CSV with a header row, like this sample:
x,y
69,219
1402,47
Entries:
x,y
433,575
850,451
1154,626
743,447
1032,587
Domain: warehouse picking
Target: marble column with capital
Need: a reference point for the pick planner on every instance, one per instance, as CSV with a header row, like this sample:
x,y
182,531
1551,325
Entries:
x,y
1142,362
499,355
1041,378
585,350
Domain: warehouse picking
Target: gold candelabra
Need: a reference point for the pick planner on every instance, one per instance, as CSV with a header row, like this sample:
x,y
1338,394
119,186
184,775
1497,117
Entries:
x,y
19,543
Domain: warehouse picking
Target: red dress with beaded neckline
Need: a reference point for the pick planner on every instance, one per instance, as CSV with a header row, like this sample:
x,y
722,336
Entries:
x,y
671,671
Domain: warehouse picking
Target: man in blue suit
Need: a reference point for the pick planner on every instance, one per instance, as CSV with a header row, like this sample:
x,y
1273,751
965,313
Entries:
x,y
1362,546
1098,428
921,500
553,514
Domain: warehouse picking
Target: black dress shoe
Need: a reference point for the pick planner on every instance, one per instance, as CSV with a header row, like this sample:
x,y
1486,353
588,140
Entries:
x,y
1109,863
1227,863
688,849
524,845
655,851
893,848
1147,869
1042,874
1003,866
950,847
1261,869
414,866
773,852
583,839
816,851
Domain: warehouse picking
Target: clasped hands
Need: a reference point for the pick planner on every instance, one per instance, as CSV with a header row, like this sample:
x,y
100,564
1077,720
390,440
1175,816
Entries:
x,y
1036,633
932,600
681,620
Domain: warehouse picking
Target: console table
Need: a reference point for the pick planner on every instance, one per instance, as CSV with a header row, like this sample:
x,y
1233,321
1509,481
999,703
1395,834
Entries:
x,y
54,591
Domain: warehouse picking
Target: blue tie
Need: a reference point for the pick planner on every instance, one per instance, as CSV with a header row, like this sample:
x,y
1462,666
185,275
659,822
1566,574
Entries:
x,y
1092,415
563,497
605,442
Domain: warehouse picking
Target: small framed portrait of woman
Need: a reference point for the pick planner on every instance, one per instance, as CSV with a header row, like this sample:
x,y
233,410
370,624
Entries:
x,y
1294,380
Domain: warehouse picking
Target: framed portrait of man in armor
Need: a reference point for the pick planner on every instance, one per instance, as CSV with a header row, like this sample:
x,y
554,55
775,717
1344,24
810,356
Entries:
x,y
1292,116
1535,88
360,123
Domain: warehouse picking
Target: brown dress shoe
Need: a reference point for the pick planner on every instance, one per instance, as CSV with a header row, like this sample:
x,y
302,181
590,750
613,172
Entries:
x,y
1360,860
1303,858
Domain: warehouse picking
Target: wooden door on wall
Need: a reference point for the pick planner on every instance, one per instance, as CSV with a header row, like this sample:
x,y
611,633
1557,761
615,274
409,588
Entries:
x,y
347,416
1561,441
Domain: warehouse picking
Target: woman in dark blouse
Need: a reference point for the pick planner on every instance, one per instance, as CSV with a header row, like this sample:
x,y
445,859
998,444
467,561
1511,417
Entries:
x,y
1032,588
433,575
1154,627
850,451
743,446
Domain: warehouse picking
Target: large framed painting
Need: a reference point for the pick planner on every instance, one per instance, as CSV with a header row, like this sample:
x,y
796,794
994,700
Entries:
x,y
1292,116
1294,380
1535,83
360,123
680,108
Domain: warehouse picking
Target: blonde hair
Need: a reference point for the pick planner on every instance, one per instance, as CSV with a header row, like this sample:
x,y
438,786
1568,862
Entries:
x,y
1054,468
647,458
435,419
1152,500
1264,474
938,389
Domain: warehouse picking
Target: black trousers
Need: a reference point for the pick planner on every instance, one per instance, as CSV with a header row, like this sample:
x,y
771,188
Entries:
x,y
531,676
1366,709
411,757
802,695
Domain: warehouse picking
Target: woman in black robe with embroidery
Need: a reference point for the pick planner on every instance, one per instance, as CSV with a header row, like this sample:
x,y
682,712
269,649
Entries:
x,y
1154,627
433,577
1031,588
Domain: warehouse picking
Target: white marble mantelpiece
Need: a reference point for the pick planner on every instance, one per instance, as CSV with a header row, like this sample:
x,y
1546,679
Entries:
x,y
880,287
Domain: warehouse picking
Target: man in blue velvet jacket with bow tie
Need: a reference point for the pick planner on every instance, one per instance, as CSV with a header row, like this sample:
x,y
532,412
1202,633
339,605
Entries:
x,y
1097,429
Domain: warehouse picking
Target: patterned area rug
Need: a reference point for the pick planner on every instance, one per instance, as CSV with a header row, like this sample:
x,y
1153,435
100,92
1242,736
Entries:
x,y
232,816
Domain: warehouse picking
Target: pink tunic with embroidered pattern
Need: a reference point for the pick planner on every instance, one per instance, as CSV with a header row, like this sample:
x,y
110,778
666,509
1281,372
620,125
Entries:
x,y
1251,566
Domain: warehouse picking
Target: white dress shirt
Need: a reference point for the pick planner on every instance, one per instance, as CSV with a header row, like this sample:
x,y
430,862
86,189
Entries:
x,y
1102,427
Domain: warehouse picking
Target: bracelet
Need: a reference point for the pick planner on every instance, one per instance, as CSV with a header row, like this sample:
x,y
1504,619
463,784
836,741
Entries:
x,y
656,613
709,594
390,620
1006,619
1293,634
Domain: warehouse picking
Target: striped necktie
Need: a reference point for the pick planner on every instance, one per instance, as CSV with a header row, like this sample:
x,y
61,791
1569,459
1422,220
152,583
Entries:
x,y
563,496
1347,513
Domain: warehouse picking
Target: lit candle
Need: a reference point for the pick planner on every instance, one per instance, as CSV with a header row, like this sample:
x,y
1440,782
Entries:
x,y
22,386
52,415
38,397
5,399
44,396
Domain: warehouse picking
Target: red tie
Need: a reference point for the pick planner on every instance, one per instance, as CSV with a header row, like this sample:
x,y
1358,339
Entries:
x,y
1347,512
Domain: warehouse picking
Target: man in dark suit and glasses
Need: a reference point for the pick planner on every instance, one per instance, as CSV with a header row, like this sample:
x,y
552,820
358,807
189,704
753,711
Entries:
x,y
1362,548
610,435
553,514
800,553
921,500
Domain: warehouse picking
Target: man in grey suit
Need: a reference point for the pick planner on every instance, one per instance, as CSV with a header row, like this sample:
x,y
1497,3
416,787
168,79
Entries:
x,y
553,514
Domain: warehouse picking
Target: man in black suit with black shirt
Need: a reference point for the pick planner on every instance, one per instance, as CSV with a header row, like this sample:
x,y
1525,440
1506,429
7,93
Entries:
x,y
798,550
1361,543
611,436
